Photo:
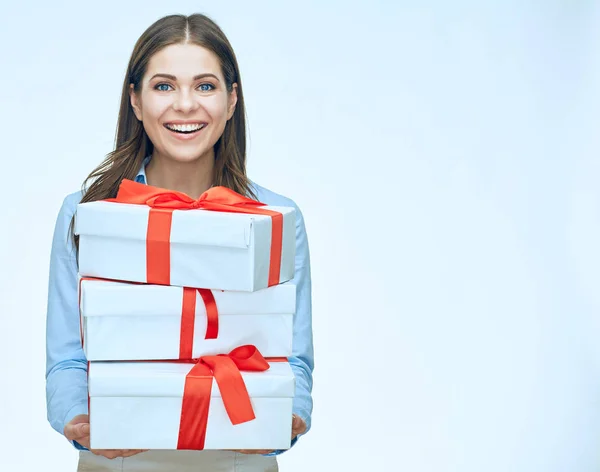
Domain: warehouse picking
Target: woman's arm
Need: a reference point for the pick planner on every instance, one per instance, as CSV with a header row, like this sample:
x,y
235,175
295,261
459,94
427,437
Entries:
x,y
302,358
66,366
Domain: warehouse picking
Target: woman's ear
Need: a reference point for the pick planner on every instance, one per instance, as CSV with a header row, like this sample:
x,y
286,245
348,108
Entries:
x,y
133,98
232,101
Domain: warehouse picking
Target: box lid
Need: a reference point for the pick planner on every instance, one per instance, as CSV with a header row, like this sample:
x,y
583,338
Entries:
x,y
202,227
167,379
110,298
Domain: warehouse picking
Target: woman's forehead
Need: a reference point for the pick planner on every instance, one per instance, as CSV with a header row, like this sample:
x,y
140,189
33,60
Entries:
x,y
184,61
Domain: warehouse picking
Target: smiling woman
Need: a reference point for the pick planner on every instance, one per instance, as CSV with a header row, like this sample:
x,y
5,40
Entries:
x,y
181,127
189,107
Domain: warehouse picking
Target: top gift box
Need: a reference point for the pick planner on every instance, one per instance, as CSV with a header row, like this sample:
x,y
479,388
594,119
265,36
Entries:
x,y
222,240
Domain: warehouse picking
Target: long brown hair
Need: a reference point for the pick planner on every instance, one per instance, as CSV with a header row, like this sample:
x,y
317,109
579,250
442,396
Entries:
x,y
133,144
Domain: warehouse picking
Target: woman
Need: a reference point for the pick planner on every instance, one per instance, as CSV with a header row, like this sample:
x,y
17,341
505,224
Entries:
x,y
181,126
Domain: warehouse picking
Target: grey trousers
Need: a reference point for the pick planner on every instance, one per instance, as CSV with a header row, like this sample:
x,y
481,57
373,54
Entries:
x,y
179,461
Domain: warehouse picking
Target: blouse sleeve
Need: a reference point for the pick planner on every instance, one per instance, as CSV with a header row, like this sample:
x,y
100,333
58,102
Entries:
x,y
66,366
302,358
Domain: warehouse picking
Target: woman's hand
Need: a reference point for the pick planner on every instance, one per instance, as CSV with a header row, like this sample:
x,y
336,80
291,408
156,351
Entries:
x,y
78,429
298,427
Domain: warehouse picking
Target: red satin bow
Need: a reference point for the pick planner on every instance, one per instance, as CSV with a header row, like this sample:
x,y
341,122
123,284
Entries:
x,y
215,198
225,368
163,202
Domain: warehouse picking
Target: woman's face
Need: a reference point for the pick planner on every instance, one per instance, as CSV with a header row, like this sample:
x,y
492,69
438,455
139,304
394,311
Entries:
x,y
183,102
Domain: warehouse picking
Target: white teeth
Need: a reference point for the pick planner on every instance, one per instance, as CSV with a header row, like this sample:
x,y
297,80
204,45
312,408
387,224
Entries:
x,y
191,127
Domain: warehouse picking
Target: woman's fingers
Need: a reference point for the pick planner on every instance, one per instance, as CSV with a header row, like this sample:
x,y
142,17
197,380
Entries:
x,y
298,426
132,452
78,429
108,453
75,432
114,453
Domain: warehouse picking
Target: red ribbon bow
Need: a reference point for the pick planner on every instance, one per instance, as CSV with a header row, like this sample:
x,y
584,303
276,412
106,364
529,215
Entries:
x,y
225,368
163,202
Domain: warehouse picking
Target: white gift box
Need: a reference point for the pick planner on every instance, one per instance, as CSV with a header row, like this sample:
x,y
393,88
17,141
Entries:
x,y
208,249
138,406
125,321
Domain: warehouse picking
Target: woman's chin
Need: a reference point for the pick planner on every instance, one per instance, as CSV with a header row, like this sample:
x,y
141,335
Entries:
x,y
186,156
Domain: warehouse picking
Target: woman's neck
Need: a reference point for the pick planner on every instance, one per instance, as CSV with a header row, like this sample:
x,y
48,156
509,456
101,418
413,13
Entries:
x,y
192,178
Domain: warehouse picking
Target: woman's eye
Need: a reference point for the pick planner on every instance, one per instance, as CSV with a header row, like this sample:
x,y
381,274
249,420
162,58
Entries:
x,y
202,87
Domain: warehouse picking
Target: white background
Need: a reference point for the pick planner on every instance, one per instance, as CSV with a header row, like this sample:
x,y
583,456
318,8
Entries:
x,y
445,156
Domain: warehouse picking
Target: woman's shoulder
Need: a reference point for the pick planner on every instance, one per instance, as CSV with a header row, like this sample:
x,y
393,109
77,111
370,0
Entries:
x,y
269,197
70,202
62,245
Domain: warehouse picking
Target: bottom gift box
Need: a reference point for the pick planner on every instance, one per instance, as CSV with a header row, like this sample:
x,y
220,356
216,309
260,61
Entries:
x,y
179,405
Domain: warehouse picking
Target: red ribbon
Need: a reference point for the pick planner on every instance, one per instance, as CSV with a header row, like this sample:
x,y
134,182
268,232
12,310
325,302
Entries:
x,y
225,368
188,318
163,202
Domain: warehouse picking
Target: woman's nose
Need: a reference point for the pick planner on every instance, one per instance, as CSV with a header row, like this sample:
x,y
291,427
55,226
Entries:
x,y
185,102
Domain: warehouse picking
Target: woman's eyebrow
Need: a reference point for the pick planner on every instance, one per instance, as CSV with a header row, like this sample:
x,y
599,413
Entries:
x,y
196,77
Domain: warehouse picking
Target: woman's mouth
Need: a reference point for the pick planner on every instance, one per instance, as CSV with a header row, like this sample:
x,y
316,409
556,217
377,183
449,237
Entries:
x,y
188,131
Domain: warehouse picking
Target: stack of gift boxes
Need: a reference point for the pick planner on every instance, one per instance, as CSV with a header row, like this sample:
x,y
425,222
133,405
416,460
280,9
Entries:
x,y
186,311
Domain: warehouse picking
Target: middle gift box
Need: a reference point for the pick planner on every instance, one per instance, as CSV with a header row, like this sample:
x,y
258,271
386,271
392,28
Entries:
x,y
126,321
